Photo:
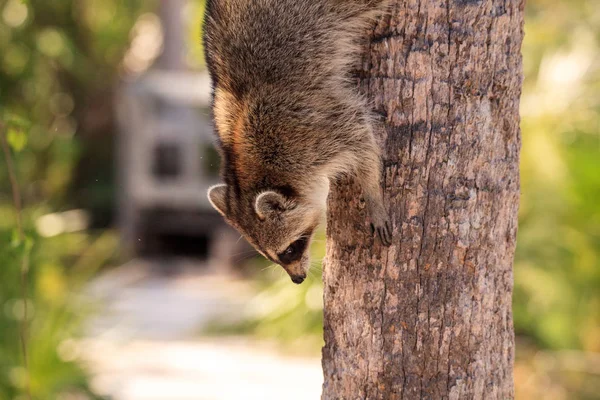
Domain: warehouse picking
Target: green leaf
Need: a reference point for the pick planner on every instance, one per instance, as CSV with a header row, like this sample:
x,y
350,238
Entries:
x,y
15,240
12,119
17,139
28,243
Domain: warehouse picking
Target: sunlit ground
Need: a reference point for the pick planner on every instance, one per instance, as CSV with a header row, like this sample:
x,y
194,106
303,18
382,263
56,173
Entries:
x,y
146,343
149,341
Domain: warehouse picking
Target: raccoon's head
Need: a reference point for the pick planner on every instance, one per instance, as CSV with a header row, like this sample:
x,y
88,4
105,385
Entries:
x,y
278,227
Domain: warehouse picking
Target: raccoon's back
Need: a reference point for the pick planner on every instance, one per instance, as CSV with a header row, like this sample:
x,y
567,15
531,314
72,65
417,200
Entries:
x,y
253,43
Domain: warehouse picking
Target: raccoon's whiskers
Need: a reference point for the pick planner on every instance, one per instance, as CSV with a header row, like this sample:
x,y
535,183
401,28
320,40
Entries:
x,y
245,252
271,267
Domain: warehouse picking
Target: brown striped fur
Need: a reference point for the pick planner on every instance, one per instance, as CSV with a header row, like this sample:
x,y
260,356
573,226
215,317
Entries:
x,y
288,118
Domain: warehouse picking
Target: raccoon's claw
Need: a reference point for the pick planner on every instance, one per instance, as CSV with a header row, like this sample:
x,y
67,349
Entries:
x,y
381,115
384,232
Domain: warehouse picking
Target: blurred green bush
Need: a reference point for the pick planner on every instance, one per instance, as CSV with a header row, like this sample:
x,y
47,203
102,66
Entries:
x,y
54,317
557,270
59,64
61,61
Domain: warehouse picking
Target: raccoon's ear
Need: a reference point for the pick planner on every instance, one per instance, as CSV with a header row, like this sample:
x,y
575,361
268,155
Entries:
x,y
217,195
271,203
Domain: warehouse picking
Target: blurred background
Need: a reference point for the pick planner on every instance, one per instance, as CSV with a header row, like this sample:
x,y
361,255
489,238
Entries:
x,y
129,297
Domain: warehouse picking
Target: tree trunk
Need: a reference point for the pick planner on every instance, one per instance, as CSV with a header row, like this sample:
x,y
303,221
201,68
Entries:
x,y
430,317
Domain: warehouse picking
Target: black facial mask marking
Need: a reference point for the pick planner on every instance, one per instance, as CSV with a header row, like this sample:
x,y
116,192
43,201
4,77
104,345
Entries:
x,y
294,252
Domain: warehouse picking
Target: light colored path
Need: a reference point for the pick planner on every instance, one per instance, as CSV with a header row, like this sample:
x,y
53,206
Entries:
x,y
154,370
144,345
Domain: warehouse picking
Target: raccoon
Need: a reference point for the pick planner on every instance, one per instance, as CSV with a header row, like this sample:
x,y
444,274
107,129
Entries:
x,y
289,119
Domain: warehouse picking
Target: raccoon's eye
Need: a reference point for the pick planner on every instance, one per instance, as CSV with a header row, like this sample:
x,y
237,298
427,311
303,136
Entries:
x,y
294,251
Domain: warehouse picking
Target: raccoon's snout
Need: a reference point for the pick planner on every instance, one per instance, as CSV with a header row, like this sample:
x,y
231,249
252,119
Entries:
x,y
298,279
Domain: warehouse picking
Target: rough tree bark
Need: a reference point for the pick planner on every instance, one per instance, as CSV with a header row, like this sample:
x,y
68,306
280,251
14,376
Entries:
x,y
430,317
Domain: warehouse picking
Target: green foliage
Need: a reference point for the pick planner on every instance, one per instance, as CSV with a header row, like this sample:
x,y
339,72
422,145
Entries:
x,y
37,321
54,323
16,139
557,268
60,60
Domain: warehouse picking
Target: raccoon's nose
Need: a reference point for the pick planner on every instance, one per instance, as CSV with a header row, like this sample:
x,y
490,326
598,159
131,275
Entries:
x,y
298,279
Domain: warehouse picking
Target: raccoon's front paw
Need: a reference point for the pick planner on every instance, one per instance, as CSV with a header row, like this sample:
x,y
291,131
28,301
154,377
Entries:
x,y
383,228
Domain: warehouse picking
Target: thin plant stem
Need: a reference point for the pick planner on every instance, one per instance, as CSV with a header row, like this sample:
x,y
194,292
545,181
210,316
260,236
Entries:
x,y
18,204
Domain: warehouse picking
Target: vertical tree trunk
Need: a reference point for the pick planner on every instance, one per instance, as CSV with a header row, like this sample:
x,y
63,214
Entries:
x,y
430,317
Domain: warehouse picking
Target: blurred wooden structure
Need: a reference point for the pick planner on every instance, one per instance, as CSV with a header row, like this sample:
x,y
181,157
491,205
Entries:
x,y
166,161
